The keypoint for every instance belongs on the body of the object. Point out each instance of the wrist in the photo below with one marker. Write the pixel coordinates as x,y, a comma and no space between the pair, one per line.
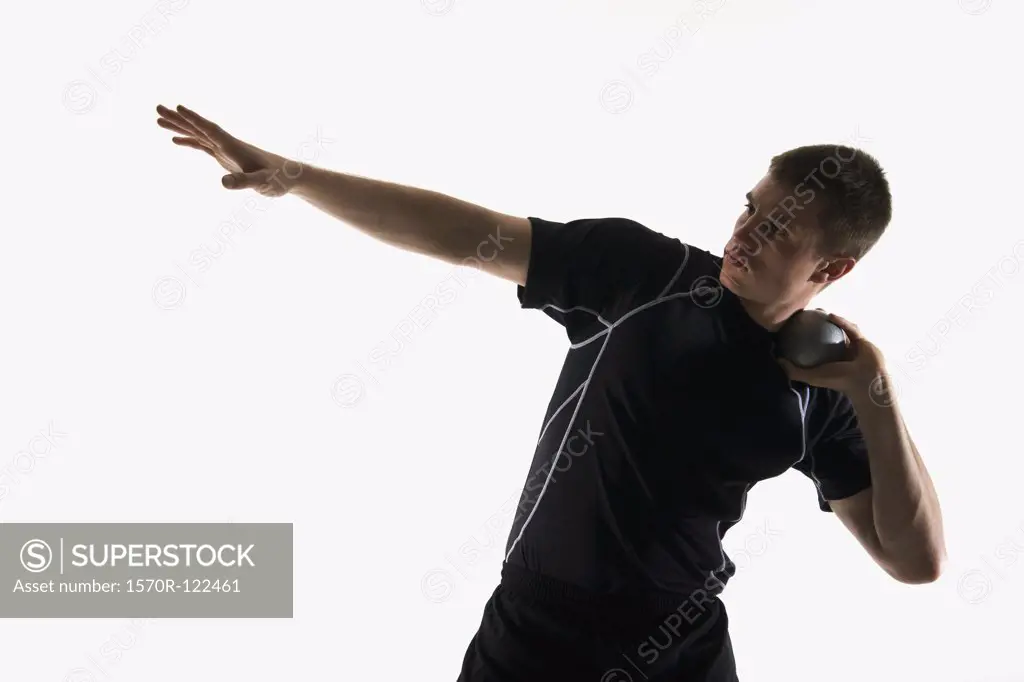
300,177
874,388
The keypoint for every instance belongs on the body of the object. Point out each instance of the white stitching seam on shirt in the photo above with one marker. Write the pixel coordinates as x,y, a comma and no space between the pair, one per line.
593,368
555,414
686,258
577,307
572,420
810,455
803,404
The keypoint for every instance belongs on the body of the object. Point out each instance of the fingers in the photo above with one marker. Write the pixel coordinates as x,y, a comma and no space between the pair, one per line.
190,136
849,327
169,125
192,142
180,123
211,129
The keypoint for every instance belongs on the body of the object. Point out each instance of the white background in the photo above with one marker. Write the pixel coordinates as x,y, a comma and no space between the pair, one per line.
215,395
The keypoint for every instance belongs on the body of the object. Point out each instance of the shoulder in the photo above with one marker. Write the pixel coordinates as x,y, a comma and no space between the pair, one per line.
635,256
608,229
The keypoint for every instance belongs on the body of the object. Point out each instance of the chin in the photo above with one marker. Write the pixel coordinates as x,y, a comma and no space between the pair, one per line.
731,278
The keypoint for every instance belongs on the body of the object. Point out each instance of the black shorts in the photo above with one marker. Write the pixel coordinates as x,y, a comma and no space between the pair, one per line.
536,629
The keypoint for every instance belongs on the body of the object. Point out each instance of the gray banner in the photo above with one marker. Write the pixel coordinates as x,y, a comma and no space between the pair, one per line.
146,570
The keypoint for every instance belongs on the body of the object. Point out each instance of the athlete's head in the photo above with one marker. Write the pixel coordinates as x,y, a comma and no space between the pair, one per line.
816,212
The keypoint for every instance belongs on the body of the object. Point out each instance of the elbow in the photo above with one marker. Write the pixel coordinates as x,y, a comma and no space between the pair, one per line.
924,570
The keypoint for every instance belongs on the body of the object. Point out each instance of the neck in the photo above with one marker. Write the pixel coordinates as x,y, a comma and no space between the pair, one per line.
773,315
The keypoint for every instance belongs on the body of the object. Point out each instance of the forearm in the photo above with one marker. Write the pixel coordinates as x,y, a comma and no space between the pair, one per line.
413,219
906,510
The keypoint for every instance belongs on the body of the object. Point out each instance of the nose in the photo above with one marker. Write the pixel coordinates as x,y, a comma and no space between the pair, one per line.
745,240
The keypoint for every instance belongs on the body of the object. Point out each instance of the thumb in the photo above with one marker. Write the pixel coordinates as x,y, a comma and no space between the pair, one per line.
245,180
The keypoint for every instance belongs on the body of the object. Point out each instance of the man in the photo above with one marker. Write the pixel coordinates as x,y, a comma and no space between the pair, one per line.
670,406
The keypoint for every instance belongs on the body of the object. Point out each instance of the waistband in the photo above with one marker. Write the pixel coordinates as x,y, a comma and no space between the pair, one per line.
648,603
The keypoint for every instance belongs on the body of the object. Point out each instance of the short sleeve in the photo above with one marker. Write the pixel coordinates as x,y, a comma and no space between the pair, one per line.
597,268
837,461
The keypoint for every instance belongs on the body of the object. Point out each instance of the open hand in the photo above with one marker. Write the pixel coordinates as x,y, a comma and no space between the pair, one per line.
249,167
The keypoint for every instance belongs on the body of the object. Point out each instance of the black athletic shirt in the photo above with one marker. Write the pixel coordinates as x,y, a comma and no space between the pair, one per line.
669,408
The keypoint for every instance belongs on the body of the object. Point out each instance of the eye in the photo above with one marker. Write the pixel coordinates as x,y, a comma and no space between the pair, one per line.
750,208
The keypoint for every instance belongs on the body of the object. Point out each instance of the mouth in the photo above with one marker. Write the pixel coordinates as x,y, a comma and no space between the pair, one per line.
735,262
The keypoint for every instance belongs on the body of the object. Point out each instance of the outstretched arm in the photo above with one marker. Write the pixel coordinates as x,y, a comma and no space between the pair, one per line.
409,218
422,221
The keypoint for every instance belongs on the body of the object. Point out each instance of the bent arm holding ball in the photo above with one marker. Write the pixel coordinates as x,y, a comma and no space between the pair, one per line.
897,519
903,504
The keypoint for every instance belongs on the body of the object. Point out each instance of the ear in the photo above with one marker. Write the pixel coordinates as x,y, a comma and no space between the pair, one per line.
833,269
